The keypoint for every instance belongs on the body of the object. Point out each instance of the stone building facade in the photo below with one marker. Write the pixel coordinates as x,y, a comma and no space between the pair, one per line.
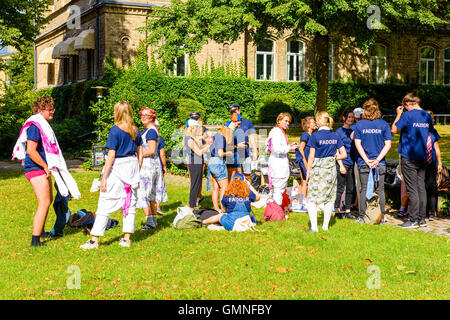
70,50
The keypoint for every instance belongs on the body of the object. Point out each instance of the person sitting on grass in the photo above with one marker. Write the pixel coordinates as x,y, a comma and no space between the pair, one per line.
237,202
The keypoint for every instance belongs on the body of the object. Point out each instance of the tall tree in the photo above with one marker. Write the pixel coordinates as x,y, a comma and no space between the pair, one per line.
20,21
185,26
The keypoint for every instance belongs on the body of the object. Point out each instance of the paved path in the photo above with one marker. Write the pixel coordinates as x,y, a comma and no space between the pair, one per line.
440,226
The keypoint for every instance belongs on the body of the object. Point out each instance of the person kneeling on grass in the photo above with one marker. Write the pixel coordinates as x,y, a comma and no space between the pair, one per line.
120,179
237,202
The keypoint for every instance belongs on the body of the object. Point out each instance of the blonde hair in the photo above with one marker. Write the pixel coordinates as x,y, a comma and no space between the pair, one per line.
371,109
282,115
305,122
124,116
227,133
324,119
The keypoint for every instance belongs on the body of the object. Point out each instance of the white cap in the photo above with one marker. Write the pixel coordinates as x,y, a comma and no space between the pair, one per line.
358,112
156,122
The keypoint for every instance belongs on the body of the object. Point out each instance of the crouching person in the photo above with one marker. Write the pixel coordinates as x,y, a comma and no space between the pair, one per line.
237,202
120,180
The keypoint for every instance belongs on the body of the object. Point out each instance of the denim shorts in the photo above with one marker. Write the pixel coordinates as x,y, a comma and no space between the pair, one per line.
218,168
228,220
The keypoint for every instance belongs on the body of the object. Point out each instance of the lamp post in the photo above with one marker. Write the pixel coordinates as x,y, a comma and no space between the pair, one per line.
99,97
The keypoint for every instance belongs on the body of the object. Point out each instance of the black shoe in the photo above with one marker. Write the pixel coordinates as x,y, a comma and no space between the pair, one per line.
422,223
38,244
200,200
348,215
339,215
409,225
432,217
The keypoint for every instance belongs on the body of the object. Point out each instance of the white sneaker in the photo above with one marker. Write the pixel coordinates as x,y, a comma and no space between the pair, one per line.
215,227
124,243
89,245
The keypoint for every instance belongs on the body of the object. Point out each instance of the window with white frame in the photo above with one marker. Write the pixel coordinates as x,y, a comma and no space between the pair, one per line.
377,63
330,62
295,60
265,60
427,68
180,66
447,66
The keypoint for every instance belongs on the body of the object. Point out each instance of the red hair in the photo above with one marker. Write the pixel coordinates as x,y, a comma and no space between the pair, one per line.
151,115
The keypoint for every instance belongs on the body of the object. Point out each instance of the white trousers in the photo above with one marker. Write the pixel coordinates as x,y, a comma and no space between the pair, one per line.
312,212
278,186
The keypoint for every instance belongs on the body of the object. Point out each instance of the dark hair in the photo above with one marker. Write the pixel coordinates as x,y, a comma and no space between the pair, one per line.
42,103
345,113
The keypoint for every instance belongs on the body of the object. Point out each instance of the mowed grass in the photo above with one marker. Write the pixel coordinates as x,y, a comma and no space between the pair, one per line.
281,261
294,135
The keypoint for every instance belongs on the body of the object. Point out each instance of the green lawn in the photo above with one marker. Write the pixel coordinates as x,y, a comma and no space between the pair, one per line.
294,135
280,262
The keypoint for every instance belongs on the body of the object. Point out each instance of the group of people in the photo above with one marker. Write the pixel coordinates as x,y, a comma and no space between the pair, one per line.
330,162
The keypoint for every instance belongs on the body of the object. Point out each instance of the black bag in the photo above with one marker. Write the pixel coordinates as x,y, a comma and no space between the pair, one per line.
256,180
203,214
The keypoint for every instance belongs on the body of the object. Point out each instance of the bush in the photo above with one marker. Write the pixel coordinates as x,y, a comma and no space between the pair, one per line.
186,106
273,104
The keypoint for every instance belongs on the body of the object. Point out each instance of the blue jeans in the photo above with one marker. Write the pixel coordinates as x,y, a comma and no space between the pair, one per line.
61,206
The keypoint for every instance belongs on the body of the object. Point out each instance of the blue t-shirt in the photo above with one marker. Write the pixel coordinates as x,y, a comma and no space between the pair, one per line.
231,202
161,144
219,142
245,129
152,134
34,134
349,145
414,126
373,134
326,143
122,142
298,156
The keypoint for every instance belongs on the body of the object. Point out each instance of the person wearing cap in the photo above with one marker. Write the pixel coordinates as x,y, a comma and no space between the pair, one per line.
162,196
194,115
217,168
195,147
149,191
233,165
237,201
358,115
246,133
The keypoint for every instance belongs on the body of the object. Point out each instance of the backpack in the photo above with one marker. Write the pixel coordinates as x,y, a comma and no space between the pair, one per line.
373,213
188,222
273,211
443,179
243,224
185,219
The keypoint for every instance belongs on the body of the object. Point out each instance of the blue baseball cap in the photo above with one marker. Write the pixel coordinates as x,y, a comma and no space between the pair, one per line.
194,115
239,176
233,108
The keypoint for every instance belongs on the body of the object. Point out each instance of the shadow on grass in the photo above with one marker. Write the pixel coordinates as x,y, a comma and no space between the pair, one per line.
5,175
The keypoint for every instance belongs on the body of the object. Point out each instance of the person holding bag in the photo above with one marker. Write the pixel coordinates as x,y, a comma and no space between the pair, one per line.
373,138
325,149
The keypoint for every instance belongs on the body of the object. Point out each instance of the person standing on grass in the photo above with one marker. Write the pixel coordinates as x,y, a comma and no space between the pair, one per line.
120,176
277,144
433,167
161,195
345,177
302,154
151,171
195,146
415,126
245,133
38,147
217,168
357,112
233,165
372,140
325,149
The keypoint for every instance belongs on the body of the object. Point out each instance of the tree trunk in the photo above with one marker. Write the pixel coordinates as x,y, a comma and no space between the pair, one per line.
321,72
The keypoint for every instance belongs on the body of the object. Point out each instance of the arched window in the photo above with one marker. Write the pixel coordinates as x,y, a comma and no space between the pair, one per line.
377,63
295,61
447,66
265,57
125,42
427,68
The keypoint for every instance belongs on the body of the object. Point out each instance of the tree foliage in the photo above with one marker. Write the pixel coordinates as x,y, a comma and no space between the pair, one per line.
186,26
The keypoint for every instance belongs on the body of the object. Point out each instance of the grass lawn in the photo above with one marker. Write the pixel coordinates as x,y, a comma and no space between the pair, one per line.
294,135
280,262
